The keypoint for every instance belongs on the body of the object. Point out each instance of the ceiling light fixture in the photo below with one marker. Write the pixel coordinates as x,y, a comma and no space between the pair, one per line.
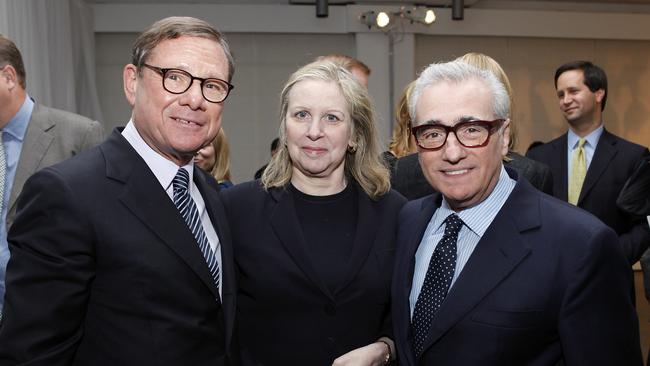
381,19
419,14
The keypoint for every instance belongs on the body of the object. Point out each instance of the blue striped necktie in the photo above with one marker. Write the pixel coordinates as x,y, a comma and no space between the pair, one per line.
436,282
187,208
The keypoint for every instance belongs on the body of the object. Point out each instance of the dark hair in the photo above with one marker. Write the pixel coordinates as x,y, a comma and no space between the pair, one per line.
274,144
10,55
176,27
594,77
534,144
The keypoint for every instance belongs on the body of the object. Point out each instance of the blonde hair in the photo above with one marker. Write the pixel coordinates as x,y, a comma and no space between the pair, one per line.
364,164
221,169
346,62
485,62
401,143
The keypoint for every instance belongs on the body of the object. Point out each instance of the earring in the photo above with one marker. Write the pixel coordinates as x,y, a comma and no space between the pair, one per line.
352,149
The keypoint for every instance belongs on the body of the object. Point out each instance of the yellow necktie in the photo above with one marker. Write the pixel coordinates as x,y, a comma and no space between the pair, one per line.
578,172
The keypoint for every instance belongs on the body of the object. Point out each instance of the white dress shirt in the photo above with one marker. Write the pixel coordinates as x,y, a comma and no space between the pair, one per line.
165,171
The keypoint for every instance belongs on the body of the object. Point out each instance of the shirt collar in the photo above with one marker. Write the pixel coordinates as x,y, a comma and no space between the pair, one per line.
591,139
163,169
17,126
479,217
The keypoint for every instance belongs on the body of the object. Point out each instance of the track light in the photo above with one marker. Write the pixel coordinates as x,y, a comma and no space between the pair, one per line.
385,19
381,19
419,15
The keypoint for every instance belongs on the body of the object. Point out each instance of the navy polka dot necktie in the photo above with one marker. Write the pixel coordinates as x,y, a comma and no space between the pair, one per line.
436,282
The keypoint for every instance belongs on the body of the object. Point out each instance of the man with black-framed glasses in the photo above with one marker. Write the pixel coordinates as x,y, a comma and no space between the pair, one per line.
121,256
490,271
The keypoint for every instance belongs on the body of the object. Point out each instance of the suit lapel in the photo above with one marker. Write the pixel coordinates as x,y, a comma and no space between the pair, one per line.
35,145
286,226
497,254
605,152
143,195
218,219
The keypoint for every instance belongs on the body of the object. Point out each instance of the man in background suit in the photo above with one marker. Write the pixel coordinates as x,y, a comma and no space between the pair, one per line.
32,136
491,271
121,255
602,164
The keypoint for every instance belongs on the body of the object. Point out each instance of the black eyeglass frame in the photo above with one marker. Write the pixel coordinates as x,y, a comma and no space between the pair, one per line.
163,72
491,126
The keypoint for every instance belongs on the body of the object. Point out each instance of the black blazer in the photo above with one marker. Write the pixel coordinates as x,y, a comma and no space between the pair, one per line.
286,315
614,161
407,177
546,283
104,271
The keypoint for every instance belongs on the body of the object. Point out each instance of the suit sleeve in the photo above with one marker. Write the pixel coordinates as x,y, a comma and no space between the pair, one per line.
48,275
598,324
547,180
635,241
94,136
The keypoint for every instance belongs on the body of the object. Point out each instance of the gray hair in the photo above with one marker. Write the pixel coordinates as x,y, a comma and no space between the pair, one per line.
457,72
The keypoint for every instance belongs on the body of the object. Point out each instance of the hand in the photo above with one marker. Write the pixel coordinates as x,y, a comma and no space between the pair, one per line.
371,355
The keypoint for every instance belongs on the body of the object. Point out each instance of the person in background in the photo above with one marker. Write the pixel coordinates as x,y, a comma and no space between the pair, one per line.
490,271
274,149
315,237
32,136
409,180
358,69
590,165
215,159
402,143
121,255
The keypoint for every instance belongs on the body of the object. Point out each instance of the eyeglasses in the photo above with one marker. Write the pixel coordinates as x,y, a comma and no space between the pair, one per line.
469,134
178,81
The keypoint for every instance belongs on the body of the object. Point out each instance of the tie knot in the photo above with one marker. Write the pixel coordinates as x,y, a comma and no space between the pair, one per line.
454,224
581,143
181,180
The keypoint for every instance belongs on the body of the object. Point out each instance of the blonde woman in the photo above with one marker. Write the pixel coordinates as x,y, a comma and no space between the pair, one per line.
215,159
314,239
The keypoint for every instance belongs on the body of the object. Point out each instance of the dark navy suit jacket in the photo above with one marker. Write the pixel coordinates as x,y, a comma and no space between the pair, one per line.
546,284
614,161
105,271
286,313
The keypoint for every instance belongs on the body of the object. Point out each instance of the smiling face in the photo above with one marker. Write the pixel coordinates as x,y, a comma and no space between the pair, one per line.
580,106
176,125
318,130
464,176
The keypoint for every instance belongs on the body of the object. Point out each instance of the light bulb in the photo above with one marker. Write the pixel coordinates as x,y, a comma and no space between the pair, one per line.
383,19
